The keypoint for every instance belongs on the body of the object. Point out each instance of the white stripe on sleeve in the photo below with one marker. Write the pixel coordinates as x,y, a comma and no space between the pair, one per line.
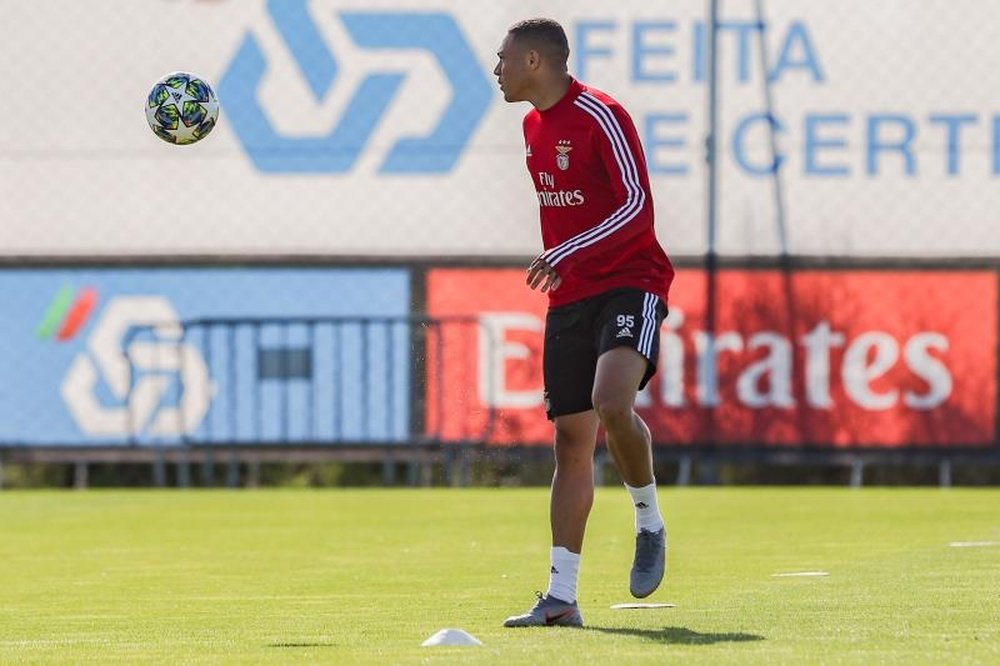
630,177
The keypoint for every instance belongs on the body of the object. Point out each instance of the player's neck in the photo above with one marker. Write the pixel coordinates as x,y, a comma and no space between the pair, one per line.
551,92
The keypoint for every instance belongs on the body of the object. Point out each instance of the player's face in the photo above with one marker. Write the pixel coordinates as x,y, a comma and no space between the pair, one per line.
512,71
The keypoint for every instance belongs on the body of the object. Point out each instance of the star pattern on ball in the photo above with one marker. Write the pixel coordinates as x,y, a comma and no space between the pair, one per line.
188,109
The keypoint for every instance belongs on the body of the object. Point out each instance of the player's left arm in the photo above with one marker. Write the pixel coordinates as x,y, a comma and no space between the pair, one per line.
617,142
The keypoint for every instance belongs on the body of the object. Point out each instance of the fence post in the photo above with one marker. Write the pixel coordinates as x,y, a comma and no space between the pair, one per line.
944,473
208,468
253,473
857,473
388,470
183,470
600,461
684,471
465,468
159,468
80,473
233,470
448,463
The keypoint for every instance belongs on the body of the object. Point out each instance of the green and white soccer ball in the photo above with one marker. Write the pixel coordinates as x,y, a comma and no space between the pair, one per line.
182,108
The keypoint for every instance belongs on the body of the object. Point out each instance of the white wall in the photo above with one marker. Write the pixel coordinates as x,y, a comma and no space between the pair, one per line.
81,173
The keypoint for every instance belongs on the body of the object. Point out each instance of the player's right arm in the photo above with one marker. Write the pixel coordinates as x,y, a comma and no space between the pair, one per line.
541,275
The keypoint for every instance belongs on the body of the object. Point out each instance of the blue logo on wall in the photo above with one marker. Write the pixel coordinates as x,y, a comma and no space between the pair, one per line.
339,150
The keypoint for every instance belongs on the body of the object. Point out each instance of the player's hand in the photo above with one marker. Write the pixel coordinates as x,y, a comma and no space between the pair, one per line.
542,276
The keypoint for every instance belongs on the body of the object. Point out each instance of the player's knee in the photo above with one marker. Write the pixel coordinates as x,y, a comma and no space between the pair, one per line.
570,459
571,449
567,440
614,411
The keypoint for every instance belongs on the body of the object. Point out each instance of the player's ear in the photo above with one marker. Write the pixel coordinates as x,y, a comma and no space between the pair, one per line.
534,59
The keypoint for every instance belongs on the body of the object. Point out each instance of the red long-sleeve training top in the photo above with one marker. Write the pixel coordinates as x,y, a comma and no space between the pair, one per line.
589,170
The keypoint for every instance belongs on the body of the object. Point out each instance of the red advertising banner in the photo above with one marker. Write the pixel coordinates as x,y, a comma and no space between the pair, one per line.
851,358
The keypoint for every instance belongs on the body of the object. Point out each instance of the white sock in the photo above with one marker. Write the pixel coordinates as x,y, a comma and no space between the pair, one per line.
563,574
647,509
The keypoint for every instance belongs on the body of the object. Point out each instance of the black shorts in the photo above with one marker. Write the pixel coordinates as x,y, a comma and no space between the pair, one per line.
578,333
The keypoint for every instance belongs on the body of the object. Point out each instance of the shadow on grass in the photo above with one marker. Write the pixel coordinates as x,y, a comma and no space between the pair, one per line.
677,635
300,645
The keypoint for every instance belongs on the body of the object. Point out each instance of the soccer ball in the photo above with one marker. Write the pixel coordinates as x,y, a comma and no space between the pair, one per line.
182,108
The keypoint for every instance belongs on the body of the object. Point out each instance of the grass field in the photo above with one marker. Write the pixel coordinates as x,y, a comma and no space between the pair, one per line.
345,576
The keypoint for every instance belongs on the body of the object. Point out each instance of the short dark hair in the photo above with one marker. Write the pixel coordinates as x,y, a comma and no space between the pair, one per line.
545,35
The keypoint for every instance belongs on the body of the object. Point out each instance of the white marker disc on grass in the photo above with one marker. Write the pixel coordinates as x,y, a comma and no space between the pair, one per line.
974,544
451,637
635,606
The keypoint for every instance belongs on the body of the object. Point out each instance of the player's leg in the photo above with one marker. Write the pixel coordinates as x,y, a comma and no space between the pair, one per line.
629,345
571,499
570,357
616,384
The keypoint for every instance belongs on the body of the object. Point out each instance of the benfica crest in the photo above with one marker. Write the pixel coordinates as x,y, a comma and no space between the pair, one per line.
562,159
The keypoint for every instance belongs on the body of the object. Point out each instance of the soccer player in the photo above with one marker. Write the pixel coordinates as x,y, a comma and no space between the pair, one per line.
607,279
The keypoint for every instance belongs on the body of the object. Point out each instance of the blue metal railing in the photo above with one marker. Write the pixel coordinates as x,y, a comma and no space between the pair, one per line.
308,381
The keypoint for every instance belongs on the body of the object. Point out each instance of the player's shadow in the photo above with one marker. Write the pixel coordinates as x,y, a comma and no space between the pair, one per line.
678,635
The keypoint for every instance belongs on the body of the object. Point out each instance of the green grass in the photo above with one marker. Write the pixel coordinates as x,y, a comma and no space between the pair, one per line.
345,576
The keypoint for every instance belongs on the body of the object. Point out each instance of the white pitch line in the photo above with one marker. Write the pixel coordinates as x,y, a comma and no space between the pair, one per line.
974,544
800,573
634,606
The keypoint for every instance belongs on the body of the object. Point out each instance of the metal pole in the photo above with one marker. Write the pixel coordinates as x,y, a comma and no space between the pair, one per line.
684,471
944,473
711,156
388,471
159,467
857,473
780,218
772,122
711,144
183,470
600,462
80,475
233,469
208,468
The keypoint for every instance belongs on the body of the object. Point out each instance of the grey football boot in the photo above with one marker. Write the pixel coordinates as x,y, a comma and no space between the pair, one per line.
548,612
649,563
